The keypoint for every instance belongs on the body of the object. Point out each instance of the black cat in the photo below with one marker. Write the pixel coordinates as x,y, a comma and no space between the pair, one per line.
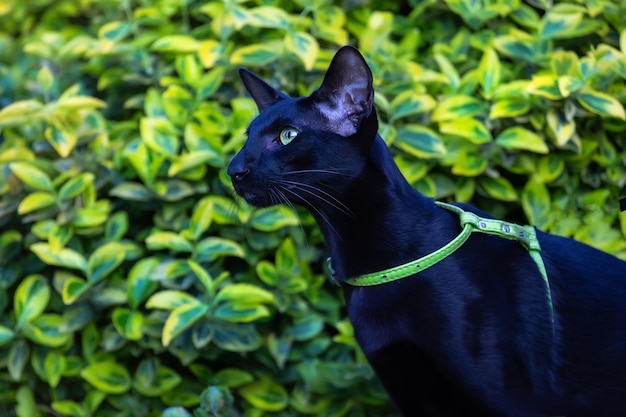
478,332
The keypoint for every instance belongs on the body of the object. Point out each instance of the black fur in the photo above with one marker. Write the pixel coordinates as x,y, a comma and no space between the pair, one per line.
471,336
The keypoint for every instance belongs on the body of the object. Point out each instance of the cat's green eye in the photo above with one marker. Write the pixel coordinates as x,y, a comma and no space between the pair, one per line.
288,134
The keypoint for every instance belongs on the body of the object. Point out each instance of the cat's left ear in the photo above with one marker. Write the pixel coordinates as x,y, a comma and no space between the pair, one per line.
264,95
346,96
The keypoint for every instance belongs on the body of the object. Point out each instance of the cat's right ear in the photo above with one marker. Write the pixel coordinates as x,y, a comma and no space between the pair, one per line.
263,94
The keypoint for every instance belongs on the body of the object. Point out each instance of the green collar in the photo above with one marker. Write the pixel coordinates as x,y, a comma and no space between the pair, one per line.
470,222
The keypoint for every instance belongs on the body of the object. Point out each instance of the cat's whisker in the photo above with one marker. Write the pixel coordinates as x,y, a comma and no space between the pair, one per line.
313,190
285,200
319,171
312,207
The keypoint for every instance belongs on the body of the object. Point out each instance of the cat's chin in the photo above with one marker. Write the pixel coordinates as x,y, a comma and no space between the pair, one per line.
255,199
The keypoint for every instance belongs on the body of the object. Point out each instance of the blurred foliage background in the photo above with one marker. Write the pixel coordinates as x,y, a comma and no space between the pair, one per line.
133,283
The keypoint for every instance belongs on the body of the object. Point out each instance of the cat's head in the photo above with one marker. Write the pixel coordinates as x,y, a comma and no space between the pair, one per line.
306,150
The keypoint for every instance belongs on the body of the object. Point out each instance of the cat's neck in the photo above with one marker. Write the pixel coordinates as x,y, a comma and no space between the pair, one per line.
391,220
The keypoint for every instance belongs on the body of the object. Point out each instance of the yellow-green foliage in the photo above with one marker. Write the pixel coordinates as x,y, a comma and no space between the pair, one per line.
132,280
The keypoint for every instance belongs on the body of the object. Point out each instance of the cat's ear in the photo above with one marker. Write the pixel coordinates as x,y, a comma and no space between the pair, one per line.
346,96
263,94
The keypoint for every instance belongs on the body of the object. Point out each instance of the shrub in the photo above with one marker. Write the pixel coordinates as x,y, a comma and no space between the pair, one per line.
132,280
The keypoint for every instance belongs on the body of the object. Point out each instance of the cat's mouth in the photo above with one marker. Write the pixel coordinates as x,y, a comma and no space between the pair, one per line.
251,197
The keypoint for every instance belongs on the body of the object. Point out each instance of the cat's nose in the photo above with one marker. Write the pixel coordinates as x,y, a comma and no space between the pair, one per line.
238,169
238,175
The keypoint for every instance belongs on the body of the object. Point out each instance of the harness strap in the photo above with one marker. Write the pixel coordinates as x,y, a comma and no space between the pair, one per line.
470,222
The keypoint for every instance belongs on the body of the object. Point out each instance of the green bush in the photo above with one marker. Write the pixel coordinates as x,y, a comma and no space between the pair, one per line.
131,278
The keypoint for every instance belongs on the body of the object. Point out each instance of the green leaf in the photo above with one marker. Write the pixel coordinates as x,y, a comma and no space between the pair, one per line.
209,52
499,188
420,141
268,17
171,269
182,318
280,348
6,335
266,395
562,129
201,218
116,226
267,273
209,83
189,69
104,260
62,140
58,236
177,44
115,31
470,164
247,294
454,107
32,176
73,288
140,286
409,103
201,334
526,16
65,257
569,85
154,383
36,201
31,299
601,103
26,403
173,190
306,327
91,216
45,330
256,54
550,168
54,366
204,277
489,71
212,248
75,103
304,46
564,63
171,299
168,240
160,135
232,377
536,202
287,257
45,79
271,219
76,185
556,25
511,107
128,323
448,70
546,86
467,128
523,139
132,191
108,377
516,46
69,408
20,112
240,313
236,337
10,246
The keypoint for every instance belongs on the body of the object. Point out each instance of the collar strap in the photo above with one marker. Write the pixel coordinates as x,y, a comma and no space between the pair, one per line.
470,222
